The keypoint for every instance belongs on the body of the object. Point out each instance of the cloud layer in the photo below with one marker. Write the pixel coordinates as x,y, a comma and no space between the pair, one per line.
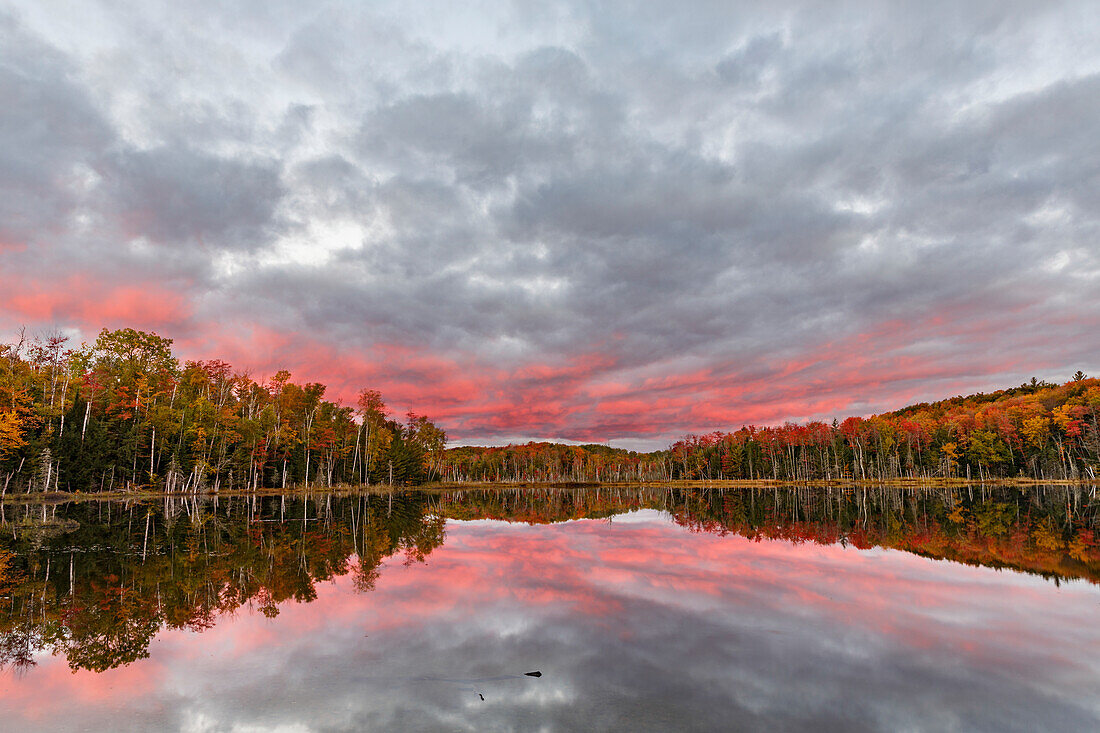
575,222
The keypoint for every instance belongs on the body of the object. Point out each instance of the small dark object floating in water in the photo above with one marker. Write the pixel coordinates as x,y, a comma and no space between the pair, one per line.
481,696
532,674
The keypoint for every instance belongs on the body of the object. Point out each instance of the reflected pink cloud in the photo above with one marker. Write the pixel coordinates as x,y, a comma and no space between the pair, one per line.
40,689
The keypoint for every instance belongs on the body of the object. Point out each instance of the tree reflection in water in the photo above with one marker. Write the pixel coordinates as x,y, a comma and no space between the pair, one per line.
96,581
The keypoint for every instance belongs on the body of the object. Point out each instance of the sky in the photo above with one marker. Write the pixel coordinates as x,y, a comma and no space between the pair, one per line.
618,221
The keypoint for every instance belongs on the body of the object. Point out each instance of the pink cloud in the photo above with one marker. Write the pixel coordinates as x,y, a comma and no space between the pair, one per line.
89,304
582,396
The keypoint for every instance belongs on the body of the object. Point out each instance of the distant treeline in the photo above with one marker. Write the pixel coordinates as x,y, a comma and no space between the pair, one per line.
123,413
555,463
1037,430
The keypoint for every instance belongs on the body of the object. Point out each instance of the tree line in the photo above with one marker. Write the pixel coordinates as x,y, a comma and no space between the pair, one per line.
123,413
1038,430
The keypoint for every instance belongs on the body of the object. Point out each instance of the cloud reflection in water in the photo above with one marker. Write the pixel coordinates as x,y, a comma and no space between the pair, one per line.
636,625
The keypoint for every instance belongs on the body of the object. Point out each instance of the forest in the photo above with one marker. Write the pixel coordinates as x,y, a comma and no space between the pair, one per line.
123,414
1038,430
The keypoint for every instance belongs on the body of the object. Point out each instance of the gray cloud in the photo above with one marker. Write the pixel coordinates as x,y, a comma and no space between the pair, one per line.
51,136
173,194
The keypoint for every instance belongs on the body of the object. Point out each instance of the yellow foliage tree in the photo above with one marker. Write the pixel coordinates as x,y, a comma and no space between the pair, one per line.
1035,431
950,455
11,434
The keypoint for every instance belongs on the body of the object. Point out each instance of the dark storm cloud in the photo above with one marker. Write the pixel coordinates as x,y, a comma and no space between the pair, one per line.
723,188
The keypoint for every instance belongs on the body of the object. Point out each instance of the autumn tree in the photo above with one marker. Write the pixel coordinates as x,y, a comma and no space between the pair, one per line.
430,439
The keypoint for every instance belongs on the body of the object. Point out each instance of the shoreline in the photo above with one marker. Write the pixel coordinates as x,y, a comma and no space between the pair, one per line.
61,497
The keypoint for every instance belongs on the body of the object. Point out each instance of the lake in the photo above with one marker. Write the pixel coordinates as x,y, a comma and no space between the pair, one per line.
972,608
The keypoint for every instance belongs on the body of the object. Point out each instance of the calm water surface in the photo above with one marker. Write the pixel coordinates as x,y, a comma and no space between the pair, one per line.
973,609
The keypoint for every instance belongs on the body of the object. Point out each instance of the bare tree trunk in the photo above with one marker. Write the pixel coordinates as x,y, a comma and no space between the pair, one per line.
152,456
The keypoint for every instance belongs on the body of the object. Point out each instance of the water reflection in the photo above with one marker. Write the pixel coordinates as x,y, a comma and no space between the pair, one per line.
350,612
